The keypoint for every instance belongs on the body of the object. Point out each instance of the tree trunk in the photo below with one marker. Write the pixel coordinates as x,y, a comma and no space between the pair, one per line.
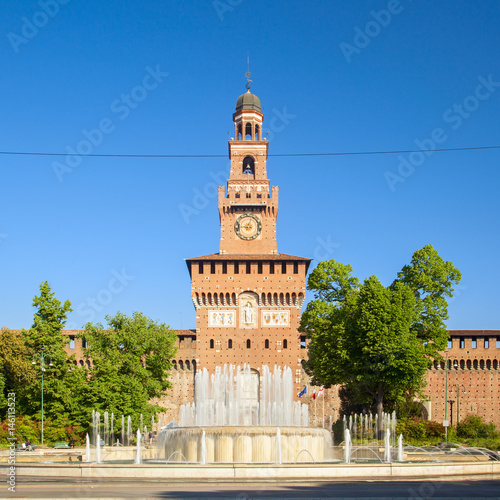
380,411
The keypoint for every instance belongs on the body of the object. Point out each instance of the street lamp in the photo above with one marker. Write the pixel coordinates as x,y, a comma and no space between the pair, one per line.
445,423
42,369
458,387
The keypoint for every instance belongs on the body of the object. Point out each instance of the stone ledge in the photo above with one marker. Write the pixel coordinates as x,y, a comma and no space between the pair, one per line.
241,471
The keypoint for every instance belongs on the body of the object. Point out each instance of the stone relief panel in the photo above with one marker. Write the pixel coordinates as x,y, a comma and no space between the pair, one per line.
275,318
222,318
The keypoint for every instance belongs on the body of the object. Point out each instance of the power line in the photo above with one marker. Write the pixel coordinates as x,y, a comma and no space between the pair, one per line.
345,153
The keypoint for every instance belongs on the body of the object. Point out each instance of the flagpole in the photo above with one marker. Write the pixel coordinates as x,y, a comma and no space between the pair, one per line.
315,417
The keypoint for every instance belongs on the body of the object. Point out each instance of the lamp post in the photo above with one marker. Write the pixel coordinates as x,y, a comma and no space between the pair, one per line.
445,423
459,387
42,355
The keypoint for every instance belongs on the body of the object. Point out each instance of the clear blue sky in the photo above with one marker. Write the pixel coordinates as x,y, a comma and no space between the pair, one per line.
426,71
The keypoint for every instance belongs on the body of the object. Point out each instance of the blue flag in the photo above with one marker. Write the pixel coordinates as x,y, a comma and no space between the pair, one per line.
303,391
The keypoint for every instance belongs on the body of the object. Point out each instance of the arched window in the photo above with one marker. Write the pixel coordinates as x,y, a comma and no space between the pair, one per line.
266,344
181,365
188,365
495,364
462,364
248,165
285,344
257,133
475,364
211,343
488,364
230,344
469,364
248,132
249,344
481,364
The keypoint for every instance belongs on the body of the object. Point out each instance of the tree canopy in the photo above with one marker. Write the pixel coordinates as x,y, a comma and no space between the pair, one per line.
378,341
46,342
130,363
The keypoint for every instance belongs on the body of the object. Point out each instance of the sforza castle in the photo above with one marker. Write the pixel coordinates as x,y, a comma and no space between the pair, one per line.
248,298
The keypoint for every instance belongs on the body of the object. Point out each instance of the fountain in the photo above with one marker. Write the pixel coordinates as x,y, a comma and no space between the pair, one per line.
387,446
239,417
361,443
87,448
400,448
347,447
138,457
98,450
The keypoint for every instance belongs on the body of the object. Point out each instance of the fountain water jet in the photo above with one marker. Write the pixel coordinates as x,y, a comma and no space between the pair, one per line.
98,450
87,448
239,416
387,448
138,457
347,447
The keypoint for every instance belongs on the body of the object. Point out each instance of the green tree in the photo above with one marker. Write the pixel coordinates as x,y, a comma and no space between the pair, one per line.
16,370
374,340
431,280
130,360
62,383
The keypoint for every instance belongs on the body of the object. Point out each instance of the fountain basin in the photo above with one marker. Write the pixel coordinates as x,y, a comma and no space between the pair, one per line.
246,444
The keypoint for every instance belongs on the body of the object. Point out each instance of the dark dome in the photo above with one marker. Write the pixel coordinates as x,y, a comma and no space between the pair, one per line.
248,101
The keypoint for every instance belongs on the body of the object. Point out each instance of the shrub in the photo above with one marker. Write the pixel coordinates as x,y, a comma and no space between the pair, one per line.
412,429
433,429
473,427
59,430
418,429
24,428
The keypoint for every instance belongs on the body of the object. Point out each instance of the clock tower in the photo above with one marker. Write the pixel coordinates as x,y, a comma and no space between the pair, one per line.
248,212
248,297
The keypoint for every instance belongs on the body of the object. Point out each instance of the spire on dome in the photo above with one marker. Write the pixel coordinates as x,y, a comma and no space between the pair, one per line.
248,100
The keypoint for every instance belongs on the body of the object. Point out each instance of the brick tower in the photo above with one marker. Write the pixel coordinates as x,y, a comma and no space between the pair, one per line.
248,297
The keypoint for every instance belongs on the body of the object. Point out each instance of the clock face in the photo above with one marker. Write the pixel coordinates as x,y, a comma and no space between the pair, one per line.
248,226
